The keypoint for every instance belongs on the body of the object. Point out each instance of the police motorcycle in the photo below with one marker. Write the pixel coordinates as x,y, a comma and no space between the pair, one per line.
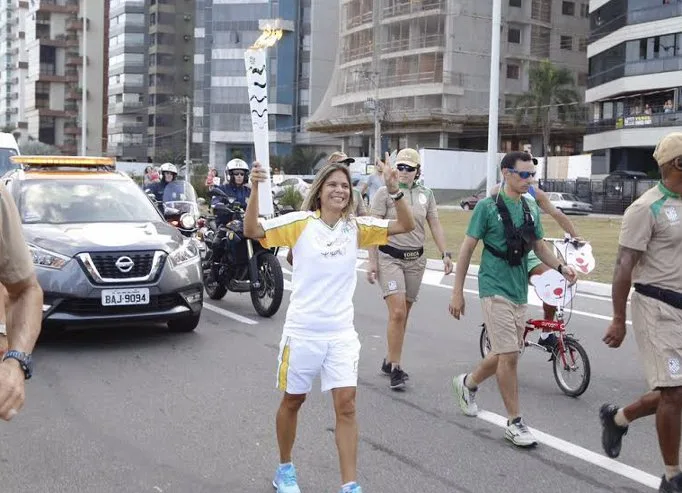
179,206
238,264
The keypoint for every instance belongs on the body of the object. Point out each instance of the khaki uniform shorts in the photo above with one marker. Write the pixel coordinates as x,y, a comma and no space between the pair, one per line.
505,324
658,330
401,276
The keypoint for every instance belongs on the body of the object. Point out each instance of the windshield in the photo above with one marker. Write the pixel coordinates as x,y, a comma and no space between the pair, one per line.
180,195
5,164
570,197
84,201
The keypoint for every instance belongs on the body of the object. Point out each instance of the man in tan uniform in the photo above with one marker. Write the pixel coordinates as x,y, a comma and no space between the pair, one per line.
649,257
400,264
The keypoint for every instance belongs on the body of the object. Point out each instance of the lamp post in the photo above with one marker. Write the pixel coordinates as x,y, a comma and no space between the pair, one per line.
494,95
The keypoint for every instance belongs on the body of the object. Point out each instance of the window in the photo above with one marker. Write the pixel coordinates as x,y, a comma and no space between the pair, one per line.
582,44
513,71
568,8
566,43
514,35
584,10
515,3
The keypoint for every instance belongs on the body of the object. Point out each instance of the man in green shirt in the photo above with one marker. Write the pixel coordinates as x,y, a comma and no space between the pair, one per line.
503,288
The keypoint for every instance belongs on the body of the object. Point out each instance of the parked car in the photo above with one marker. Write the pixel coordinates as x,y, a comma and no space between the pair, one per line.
103,253
468,203
569,203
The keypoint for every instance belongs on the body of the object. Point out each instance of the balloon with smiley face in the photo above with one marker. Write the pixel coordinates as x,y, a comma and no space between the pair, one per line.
552,288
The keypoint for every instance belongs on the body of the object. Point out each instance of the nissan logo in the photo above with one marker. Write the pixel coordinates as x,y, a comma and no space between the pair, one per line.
124,264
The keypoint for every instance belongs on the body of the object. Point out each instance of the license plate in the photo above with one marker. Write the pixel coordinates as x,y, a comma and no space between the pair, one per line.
119,297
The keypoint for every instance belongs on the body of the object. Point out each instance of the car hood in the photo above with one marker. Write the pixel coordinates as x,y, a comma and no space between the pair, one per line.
70,239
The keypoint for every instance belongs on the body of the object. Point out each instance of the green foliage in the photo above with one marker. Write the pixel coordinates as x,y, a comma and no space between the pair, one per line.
36,148
292,198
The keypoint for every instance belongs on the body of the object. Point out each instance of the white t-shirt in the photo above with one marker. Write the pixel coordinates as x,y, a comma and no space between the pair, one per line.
324,277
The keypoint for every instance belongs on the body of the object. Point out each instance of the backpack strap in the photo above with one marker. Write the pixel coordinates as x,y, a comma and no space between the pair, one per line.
509,228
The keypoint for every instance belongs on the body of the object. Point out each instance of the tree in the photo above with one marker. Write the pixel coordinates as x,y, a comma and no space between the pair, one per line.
550,87
36,148
305,159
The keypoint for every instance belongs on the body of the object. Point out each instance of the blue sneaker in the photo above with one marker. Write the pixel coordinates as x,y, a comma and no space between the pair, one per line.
352,488
285,479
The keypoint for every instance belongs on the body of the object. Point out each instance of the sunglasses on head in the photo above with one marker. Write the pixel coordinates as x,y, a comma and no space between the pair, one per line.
524,174
405,167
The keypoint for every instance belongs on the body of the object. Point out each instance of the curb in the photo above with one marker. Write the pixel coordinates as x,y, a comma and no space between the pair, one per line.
586,287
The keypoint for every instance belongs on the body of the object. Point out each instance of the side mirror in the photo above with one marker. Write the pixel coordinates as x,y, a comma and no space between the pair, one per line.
201,201
230,200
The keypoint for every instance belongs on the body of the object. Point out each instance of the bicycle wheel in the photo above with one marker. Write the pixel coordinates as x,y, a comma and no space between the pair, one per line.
570,364
484,342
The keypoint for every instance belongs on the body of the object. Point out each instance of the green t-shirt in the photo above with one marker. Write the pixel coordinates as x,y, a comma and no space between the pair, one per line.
496,276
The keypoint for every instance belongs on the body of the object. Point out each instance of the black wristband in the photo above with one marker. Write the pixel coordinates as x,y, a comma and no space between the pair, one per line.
560,269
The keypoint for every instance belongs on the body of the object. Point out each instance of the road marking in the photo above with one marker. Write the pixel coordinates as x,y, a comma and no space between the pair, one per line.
580,453
229,314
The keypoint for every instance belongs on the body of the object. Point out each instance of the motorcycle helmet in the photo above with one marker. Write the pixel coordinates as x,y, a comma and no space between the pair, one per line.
236,165
170,168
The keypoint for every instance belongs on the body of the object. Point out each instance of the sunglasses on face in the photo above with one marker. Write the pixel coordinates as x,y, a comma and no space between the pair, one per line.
405,167
524,174
238,173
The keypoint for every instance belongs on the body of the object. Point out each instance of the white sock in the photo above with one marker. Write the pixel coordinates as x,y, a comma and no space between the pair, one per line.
347,485
671,471
620,418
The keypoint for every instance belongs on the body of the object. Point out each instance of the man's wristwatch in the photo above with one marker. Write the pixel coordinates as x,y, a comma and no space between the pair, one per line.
446,254
396,196
25,361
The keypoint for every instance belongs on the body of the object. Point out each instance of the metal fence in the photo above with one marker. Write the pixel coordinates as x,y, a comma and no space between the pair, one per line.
609,196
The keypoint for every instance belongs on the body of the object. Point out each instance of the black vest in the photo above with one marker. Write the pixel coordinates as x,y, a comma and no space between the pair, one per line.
519,240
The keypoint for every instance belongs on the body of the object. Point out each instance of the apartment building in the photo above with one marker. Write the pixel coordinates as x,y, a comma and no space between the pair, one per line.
13,67
49,79
427,63
151,51
635,80
299,69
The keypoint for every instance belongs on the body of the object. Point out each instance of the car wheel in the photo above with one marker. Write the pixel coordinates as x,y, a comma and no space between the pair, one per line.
185,324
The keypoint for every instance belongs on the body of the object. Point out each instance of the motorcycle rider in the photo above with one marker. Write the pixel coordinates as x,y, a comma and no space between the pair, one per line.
169,172
236,177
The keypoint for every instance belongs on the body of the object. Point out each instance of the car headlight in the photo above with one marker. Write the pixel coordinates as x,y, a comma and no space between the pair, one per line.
188,252
187,221
46,258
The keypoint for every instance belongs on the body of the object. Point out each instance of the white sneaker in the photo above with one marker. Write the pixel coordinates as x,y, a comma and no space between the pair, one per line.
518,434
465,397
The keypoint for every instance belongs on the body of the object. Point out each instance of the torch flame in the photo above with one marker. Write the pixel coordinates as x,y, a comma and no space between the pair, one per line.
269,37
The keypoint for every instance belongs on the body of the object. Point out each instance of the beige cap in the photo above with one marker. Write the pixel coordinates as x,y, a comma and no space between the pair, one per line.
669,148
408,156
340,157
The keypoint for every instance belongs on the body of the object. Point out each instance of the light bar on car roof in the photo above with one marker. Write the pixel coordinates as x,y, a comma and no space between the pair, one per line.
64,161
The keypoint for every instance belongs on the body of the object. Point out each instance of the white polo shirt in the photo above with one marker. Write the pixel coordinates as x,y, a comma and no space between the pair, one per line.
324,277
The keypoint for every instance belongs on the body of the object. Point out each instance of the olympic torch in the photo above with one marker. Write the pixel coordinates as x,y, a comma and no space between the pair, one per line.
257,82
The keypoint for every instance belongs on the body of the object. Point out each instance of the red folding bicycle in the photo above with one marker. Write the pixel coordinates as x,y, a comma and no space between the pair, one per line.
569,358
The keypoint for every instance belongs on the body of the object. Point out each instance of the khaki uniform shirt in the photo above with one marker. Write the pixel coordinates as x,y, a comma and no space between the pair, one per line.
16,263
423,205
653,224
360,208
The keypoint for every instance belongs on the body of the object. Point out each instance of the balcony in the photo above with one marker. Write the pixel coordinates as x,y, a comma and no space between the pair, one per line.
357,53
414,43
72,129
359,20
629,69
58,6
659,12
74,25
410,7
671,119
74,60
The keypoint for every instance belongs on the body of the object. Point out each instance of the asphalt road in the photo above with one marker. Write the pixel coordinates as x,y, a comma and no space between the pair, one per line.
140,410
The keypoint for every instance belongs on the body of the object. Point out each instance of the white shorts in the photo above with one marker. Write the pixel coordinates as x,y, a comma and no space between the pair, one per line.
302,360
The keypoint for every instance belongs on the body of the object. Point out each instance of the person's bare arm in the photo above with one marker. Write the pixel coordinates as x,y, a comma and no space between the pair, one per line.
562,219
252,228
463,260
25,314
626,261
404,222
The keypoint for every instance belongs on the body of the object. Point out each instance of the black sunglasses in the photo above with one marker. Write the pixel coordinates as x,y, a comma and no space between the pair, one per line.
237,173
405,167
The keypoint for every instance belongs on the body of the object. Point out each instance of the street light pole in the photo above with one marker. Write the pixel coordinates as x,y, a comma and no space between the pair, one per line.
494,95
187,135
84,95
